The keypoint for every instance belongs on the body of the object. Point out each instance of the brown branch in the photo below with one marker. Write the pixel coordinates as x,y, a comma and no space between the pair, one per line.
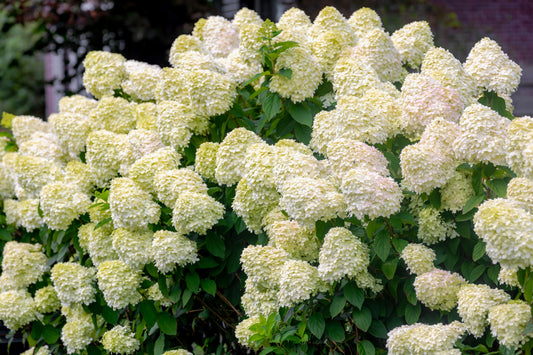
226,301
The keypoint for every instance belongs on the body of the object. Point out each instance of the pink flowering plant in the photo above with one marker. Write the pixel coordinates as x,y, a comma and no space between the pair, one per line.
299,187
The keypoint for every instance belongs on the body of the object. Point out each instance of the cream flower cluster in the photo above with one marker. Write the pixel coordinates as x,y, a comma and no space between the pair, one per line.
120,340
418,258
420,339
508,322
438,289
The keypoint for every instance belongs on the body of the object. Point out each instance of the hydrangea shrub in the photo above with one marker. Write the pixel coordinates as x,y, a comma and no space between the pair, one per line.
305,187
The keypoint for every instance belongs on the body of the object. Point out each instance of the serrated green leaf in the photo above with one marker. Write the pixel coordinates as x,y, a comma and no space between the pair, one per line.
399,244
499,186
102,223
317,324
159,345
254,78
377,329
110,316
354,295
363,318
478,251
209,286
472,203
186,296
389,268
335,331
382,244
365,347
337,305
148,312
286,72
193,281
215,245
167,323
412,313
477,175
477,272
302,133
301,113
50,334
435,199
272,105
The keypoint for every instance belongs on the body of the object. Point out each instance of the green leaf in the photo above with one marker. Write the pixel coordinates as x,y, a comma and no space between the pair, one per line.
363,318
215,245
476,179
354,295
528,288
167,323
399,244
317,324
7,118
193,282
377,329
435,199
389,268
337,305
477,272
272,105
286,72
479,250
472,203
365,347
301,113
382,244
302,133
148,312
412,313
254,78
499,186
335,331
209,286
186,296
159,345
50,334
110,316
529,327
409,290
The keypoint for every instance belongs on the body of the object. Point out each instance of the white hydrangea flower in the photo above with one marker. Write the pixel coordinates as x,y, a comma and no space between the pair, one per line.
196,212
442,66
345,154
418,258
412,42
80,175
422,339
262,265
289,163
61,204
307,200
74,283
119,283
301,273
342,254
72,130
364,20
79,330
133,247
142,80
43,350
509,244
257,299
305,79
519,146
120,340
329,18
243,332
220,36
146,116
492,69
437,289
474,303
246,16
17,308
367,193
104,72
423,99
376,49
77,104
205,160
520,190
131,207
482,136
32,174
456,192
144,141
97,242
145,169
171,249
154,293
23,213
177,352
508,276
23,127
299,242
42,145
24,263
46,300
432,228
170,184
183,44
230,164
508,322
327,47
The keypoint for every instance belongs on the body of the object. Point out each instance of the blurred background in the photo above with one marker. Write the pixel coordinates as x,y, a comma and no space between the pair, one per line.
43,42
